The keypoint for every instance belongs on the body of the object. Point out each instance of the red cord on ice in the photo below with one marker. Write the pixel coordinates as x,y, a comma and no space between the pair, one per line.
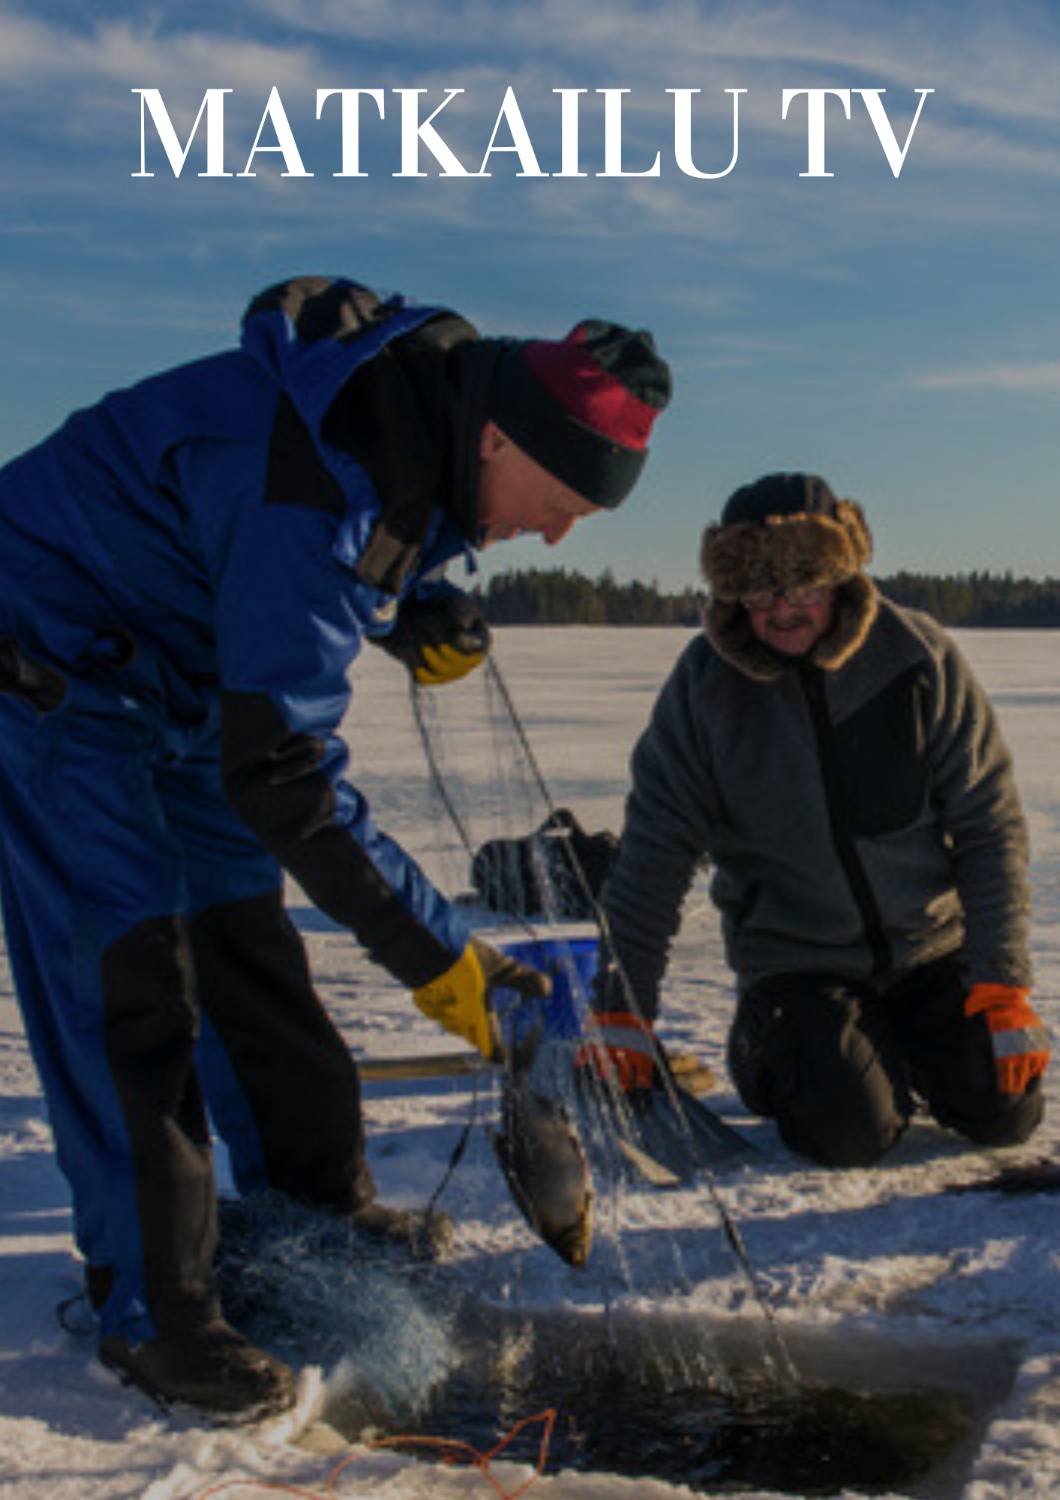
449,1450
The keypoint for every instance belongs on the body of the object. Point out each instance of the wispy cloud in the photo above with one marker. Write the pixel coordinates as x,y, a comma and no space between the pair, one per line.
1000,62
993,72
64,84
1041,377
990,125
789,307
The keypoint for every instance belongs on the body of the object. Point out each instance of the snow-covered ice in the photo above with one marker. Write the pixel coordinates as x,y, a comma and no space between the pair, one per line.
885,1254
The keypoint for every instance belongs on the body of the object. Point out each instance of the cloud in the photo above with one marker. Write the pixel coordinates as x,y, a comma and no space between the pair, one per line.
1041,377
1001,63
984,144
988,71
91,74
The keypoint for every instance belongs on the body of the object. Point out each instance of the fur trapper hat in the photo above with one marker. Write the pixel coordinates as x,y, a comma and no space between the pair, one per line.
787,531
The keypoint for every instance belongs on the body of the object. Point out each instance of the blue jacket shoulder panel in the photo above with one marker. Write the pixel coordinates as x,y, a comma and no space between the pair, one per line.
203,511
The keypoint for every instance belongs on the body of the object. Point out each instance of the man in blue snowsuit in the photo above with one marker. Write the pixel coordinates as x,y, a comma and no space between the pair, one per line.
187,572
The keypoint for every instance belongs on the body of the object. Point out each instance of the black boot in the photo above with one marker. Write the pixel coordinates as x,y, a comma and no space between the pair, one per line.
211,1367
427,1234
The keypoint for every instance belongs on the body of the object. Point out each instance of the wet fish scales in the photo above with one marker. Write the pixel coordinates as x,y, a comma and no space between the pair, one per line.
546,1169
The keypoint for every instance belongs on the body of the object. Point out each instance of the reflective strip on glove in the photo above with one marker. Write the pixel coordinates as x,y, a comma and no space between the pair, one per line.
622,1048
1018,1034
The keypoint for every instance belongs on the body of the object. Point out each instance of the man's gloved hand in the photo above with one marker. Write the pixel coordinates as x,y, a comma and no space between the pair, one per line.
622,1048
440,637
1021,1042
459,998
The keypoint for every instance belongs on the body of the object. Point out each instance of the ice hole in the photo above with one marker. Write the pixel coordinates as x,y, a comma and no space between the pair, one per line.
684,1398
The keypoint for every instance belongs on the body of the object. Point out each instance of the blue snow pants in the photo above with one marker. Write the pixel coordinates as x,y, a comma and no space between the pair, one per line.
162,983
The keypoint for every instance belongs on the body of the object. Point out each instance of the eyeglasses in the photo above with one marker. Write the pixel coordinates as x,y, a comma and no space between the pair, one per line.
757,603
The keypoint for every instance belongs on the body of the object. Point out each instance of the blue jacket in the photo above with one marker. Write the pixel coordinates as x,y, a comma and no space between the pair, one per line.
195,541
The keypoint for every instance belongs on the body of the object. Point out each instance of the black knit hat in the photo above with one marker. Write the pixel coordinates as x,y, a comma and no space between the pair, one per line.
583,406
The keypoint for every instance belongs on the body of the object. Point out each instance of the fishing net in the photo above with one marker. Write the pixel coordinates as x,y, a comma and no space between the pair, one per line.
311,1288
491,787
627,1358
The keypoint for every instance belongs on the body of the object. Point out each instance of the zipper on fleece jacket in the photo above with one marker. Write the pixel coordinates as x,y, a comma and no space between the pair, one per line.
812,682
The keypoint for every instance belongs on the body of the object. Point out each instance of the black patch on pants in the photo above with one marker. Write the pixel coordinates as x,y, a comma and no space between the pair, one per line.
296,1072
815,1054
150,1031
838,1063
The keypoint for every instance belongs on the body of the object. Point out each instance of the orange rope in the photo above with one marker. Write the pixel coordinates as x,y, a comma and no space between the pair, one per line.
258,1484
451,1451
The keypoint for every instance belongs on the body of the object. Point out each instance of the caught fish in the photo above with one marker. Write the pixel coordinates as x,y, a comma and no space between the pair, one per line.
546,1168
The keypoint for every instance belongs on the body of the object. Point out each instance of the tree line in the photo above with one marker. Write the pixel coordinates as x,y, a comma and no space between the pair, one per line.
560,596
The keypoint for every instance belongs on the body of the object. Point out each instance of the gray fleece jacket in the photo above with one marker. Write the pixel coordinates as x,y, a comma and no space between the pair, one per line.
860,821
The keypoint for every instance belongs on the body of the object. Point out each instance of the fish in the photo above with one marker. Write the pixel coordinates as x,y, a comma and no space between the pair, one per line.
548,1174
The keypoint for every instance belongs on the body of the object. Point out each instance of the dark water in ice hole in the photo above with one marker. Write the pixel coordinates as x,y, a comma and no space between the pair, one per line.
648,1392
673,1398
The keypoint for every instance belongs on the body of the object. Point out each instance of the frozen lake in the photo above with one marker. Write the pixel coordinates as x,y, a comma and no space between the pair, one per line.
885,1255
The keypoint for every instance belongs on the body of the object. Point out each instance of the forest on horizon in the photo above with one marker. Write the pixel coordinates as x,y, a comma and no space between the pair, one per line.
561,596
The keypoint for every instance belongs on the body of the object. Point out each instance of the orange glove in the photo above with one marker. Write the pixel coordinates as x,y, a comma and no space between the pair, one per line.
1021,1042
622,1048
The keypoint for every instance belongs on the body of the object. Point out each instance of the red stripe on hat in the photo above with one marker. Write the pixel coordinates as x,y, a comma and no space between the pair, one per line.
590,394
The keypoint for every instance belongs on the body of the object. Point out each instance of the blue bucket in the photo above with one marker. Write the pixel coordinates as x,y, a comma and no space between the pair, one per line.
570,963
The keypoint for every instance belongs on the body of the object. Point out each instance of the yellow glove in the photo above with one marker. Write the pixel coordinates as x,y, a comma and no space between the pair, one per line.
440,638
1019,1037
441,664
459,999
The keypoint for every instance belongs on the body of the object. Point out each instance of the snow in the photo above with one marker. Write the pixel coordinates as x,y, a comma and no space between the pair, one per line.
887,1255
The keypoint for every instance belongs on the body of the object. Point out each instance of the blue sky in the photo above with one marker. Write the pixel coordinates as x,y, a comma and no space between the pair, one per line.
899,336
